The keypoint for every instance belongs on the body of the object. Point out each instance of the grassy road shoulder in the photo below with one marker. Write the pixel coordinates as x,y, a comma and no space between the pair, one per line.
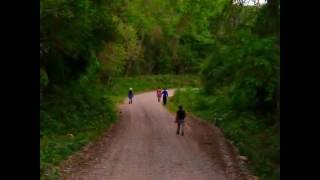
252,136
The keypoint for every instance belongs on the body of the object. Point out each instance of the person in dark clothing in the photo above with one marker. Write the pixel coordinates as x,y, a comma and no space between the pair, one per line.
181,114
130,95
164,96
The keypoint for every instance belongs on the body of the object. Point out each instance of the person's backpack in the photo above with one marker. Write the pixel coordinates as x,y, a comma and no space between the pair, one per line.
181,114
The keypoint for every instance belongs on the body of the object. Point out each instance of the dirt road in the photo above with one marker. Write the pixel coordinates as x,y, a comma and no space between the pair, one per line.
143,146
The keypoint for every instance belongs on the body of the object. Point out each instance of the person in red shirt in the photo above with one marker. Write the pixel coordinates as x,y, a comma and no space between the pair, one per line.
159,94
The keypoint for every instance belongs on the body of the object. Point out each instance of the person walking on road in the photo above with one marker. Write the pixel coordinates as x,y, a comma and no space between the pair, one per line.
159,94
130,95
165,96
181,114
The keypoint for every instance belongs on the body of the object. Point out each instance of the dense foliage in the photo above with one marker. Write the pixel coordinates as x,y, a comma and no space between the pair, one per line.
143,37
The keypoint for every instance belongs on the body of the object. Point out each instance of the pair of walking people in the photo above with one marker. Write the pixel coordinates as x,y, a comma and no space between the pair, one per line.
164,95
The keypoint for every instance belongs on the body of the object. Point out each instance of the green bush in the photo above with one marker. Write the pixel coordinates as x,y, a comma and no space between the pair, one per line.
44,81
252,71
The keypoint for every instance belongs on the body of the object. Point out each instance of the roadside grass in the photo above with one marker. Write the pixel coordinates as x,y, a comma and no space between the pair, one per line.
250,134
